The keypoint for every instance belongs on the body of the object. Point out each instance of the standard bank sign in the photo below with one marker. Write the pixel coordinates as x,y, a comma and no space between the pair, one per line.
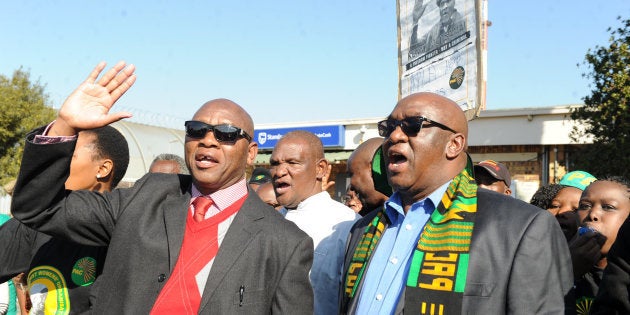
331,136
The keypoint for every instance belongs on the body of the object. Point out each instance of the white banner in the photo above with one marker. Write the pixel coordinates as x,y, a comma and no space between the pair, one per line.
441,50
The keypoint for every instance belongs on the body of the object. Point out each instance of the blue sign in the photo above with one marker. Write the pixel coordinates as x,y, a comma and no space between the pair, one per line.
331,136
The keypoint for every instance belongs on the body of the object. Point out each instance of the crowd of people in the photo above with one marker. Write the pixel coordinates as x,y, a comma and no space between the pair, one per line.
421,230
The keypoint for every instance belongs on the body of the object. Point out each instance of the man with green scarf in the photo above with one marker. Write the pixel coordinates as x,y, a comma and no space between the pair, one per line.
440,245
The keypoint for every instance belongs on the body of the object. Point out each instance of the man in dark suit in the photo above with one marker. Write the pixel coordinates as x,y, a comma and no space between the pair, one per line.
228,253
440,245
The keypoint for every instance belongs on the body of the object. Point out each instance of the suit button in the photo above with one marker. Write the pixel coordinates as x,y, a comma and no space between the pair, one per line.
161,277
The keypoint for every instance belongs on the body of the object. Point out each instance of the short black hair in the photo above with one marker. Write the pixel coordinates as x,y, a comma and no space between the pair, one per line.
111,144
544,195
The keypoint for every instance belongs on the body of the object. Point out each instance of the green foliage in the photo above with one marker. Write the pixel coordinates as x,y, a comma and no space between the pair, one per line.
605,116
23,107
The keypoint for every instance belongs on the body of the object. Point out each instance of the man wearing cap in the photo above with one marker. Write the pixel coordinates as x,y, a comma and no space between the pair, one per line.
494,176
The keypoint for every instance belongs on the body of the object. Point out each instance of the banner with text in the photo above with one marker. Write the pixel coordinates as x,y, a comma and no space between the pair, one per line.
442,49
331,136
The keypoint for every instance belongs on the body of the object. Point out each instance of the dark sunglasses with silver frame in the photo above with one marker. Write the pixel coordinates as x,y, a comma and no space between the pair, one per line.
223,132
410,125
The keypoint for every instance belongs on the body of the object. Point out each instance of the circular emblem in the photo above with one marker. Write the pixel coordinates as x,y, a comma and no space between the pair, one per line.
84,271
457,77
48,291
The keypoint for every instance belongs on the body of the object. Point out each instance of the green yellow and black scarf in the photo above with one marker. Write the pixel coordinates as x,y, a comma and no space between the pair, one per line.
439,264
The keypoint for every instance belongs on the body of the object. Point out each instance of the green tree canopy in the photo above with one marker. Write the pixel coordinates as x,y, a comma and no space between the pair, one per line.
23,106
606,116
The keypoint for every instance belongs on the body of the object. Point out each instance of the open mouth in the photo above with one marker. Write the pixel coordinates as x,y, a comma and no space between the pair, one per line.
281,187
395,158
204,161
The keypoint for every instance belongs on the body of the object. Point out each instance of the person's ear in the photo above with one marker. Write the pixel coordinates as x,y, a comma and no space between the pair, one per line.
252,151
105,169
455,146
322,169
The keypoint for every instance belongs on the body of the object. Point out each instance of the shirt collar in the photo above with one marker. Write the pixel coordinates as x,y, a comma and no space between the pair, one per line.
316,198
225,197
393,206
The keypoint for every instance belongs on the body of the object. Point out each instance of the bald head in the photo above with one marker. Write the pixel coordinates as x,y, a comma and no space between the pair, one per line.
311,143
438,108
239,117
365,151
359,168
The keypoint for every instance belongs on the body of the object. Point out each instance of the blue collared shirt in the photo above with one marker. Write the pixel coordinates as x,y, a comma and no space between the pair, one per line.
386,274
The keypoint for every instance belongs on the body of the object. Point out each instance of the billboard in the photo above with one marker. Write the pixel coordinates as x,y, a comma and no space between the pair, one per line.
442,49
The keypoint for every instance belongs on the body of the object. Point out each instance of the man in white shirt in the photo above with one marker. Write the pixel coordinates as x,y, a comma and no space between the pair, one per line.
297,168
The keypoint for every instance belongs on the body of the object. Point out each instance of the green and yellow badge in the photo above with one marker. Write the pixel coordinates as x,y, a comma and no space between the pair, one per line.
84,271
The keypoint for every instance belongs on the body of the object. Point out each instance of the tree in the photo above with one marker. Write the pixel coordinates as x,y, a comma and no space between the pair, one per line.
23,106
606,115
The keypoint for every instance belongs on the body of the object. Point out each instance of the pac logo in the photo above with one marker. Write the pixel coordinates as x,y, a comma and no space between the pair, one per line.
84,271
262,137
457,77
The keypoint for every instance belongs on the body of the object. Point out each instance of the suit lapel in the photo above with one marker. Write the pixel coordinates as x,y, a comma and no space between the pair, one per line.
239,235
175,213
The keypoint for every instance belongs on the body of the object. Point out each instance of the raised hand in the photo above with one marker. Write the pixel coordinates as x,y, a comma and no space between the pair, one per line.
89,105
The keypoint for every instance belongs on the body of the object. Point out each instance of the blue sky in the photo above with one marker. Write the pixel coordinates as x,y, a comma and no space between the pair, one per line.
289,61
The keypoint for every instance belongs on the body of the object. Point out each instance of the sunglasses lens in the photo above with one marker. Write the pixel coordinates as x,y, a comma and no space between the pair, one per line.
223,133
196,129
385,128
411,126
226,133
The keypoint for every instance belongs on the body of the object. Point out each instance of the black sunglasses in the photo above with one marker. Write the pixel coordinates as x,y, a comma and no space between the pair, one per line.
223,132
411,126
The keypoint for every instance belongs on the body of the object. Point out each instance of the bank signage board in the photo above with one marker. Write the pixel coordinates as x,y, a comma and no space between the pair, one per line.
331,136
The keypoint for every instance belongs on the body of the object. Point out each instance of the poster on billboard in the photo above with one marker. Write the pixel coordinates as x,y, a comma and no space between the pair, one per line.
442,49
